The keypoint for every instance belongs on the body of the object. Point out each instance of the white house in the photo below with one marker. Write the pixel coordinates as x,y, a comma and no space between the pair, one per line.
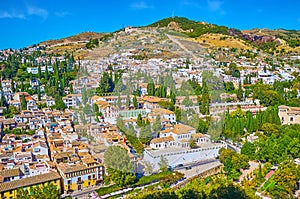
174,144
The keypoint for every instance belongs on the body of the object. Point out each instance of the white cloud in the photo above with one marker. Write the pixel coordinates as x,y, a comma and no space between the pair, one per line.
11,15
37,11
216,6
61,13
140,5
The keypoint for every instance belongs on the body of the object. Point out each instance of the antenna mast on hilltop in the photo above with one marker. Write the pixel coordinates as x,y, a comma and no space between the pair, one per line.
173,14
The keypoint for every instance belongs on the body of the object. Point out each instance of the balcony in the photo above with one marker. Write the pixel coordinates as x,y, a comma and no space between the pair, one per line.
79,182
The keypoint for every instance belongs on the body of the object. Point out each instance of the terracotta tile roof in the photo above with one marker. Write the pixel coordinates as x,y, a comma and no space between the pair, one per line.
153,99
24,182
10,172
65,168
160,111
162,139
182,129
198,135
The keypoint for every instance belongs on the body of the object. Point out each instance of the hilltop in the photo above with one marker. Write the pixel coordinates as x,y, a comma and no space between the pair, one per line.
271,41
163,36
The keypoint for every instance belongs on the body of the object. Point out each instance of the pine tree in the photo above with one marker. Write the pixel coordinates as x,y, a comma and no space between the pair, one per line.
204,106
23,103
39,92
47,73
239,92
150,88
39,75
135,102
128,101
119,102
139,120
157,124
13,89
84,95
71,88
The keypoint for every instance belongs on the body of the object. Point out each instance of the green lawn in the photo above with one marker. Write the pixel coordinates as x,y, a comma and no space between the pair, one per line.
151,178
143,180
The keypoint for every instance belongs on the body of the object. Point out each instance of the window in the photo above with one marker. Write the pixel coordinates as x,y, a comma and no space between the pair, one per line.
291,119
69,181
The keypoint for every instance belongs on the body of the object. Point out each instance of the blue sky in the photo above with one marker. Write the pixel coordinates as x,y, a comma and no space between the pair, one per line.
26,22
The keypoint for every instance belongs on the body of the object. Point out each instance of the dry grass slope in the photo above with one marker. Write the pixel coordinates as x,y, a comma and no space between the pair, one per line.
219,40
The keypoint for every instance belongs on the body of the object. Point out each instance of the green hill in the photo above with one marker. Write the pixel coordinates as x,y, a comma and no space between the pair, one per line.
191,28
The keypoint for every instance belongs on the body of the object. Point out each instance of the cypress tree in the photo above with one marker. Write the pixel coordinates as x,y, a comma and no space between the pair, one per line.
23,103
39,93
135,103
46,74
39,72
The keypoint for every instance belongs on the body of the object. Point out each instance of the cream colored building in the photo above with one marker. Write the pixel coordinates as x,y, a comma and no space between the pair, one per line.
289,115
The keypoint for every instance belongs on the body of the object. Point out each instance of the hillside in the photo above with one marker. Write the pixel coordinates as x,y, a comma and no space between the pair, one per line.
225,41
83,37
167,37
271,41
190,27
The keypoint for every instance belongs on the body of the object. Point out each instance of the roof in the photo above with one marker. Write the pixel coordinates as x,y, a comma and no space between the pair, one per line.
198,135
162,139
10,172
153,99
25,182
182,129
161,111
66,168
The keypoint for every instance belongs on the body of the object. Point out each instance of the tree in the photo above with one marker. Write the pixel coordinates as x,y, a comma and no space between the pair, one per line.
117,158
148,168
3,101
128,101
13,110
163,164
192,143
39,75
145,134
157,124
286,178
120,124
39,92
239,92
139,120
204,101
71,88
119,165
49,191
119,102
186,101
46,73
106,84
23,103
130,131
59,104
13,87
248,149
151,88
84,95
135,102
229,86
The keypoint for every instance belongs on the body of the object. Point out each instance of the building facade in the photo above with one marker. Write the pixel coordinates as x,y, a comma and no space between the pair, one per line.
289,115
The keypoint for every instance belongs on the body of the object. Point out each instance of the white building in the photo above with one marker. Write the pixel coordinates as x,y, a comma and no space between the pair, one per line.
174,144
164,113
